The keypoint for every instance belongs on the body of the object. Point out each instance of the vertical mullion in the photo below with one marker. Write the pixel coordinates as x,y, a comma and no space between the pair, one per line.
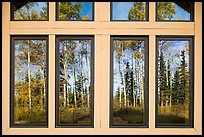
152,11
198,68
105,80
51,103
152,95
97,83
104,11
96,11
52,11
6,65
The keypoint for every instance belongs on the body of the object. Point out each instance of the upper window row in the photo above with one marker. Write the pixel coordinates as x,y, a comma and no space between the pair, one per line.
120,11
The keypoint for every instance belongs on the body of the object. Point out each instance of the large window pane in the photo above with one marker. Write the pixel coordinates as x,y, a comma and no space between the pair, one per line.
129,11
75,11
74,74
175,11
29,11
29,87
174,81
129,82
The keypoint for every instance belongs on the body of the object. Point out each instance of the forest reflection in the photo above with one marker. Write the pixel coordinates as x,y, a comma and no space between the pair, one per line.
128,82
173,82
75,81
30,82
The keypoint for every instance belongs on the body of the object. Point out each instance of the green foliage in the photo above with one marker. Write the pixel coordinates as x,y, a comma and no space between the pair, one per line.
30,14
137,12
69,11
165,10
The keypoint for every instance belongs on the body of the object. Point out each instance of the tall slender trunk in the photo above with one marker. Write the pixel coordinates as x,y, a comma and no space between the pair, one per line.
74,90
67,95
133,74
82,85
136,83
65,104
159,81
124,85
87,75
65,63
120,97
170,89
124,90
29,81
44,92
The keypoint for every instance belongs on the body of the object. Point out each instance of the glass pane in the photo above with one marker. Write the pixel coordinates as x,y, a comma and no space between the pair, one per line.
30,10
128,82
75,83
129,11
174,11
30,92
75,11
173,82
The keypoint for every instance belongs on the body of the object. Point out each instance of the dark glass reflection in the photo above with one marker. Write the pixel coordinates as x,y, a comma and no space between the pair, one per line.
129,11
75,10
173,82
128,82
74,82
30,82
174,11
30,10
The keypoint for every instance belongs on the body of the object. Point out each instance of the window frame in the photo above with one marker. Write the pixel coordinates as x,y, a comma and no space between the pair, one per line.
12,78
12,14
57,13
191,80
191,15
101,28
146,11
146,83
58,38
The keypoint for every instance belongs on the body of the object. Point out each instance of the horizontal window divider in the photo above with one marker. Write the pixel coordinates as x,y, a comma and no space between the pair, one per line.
103,25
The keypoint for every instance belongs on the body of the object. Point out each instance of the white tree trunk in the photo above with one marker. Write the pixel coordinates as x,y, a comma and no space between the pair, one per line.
29,82
65,104
74,91
65,61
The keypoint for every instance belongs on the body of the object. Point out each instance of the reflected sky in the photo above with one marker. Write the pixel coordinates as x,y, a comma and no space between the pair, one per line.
174,52
181,14
126,57
21,73
37,7
120,10
87,9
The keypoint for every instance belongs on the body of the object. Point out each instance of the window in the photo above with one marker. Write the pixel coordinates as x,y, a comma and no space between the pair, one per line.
81,90
81,11
129,85
74,81
29,84
175,11
129,11
23,11
174,82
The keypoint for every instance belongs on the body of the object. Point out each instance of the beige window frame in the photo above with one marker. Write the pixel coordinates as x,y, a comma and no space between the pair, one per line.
102,29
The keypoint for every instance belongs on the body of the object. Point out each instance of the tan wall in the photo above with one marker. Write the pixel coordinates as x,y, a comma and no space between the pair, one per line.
101,28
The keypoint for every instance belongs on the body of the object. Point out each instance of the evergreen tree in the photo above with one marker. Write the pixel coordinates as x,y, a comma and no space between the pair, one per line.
176,89
184,78
162,79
